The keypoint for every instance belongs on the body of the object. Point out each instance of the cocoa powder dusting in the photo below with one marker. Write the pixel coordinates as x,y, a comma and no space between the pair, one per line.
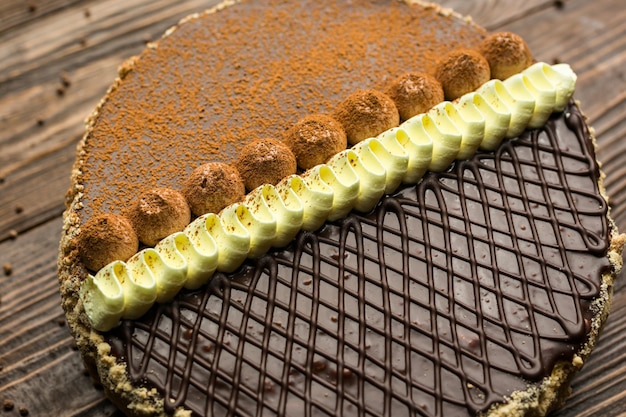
506,53
213,186
265,161
415,93
104,239
247,72
157,213
365,114
461,72
315,139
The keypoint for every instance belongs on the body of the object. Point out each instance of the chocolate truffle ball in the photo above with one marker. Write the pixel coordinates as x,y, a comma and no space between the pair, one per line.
157,213
106,238
213,186
415,93
315,139
462,71
365,114
507,54
265,161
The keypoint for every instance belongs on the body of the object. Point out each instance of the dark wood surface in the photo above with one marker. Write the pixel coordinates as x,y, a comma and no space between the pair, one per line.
57,58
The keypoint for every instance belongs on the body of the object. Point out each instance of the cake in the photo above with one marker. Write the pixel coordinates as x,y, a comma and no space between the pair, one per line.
478,287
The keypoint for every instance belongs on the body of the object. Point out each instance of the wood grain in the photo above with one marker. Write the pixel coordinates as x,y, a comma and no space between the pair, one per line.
63,61
57,58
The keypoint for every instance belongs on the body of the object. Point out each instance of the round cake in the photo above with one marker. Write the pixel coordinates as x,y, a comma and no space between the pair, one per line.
478,287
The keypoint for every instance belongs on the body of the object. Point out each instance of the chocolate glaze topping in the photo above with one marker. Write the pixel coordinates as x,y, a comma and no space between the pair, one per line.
449,296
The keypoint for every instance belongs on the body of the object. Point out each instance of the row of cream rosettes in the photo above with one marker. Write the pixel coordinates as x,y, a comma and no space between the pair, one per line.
357,178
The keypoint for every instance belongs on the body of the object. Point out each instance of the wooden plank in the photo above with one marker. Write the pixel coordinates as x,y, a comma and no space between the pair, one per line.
37,352
34,194
57,42
599,388
14,13
496,14
39,62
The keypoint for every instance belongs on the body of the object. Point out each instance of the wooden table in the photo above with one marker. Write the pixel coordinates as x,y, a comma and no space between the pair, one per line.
57,58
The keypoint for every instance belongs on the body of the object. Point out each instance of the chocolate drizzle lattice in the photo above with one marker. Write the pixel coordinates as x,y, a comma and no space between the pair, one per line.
451,295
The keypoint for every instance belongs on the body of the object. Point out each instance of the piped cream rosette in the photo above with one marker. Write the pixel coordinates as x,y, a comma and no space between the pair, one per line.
354,179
